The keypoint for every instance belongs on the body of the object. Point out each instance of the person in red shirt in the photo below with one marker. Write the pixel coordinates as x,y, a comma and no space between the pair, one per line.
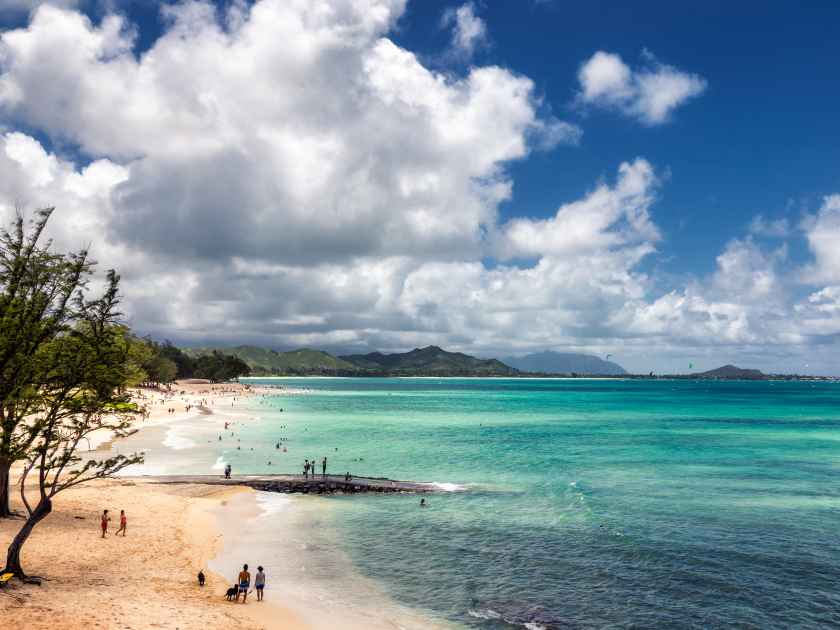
123,523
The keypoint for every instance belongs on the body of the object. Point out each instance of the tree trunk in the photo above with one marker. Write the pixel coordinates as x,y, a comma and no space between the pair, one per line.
41,511
5,480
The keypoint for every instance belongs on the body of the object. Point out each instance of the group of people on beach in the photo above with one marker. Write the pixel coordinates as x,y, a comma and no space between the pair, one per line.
105,519
243,583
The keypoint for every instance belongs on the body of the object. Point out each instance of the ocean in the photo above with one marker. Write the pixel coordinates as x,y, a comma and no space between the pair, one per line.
571,503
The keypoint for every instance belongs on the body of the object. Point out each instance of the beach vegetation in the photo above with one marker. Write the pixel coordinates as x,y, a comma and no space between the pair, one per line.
218,367
39,301
83,374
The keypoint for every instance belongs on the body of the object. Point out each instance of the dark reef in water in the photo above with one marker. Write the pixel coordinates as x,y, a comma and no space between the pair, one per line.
314,484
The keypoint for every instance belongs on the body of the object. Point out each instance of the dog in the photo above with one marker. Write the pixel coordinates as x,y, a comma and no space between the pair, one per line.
232,592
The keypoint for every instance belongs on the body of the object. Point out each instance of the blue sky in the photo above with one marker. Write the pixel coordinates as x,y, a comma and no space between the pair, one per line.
762,139
488,176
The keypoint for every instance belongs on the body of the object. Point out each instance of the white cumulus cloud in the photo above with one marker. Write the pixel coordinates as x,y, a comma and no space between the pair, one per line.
469,31
286,174
823,233
650,93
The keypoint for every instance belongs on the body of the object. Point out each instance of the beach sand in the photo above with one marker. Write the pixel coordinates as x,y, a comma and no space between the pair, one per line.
144,580
148,578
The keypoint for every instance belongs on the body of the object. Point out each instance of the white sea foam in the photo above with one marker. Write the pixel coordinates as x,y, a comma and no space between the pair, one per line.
220,463
534,626
176,441
272,503
486,613
448,487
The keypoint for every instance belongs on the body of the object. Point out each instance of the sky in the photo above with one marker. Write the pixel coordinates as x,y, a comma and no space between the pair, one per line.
658,182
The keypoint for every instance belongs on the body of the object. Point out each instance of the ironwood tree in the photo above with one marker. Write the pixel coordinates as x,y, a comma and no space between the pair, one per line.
37,291
82,389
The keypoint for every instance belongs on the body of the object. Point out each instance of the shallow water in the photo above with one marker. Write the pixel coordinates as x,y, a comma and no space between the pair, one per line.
590,503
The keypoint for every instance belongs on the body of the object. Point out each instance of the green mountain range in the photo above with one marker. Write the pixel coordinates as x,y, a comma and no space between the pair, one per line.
429,361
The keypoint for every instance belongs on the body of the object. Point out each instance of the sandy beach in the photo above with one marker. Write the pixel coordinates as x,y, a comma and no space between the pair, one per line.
149,578
146,579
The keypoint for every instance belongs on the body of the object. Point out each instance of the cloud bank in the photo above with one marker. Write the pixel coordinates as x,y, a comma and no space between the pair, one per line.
286,174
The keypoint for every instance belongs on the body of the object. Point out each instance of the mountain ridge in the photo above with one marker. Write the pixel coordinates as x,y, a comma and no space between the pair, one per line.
428,361
730,371
551,362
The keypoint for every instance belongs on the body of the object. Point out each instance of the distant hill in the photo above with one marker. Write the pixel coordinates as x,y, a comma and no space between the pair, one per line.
732,372
549,362
265,361
429,361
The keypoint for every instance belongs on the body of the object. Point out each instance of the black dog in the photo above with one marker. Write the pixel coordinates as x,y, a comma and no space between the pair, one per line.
232,592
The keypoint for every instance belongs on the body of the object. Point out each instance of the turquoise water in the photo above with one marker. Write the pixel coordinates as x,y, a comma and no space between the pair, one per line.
589,503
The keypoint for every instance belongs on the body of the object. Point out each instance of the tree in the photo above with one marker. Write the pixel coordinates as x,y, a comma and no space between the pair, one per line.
161,370
220,367
184,363
37,288
83,389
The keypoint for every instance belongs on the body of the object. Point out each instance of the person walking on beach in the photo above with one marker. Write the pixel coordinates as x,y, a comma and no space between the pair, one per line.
244,583
104,522
259,583
306,469
123,524
324,467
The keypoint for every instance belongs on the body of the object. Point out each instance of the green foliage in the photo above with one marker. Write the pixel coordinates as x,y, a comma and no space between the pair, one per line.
82,375
184,364
40,299
220,367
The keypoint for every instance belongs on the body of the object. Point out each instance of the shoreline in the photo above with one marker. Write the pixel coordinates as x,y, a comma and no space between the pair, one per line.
205,523
146,579
149,580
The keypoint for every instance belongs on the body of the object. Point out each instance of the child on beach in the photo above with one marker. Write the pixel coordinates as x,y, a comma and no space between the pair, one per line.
104,522
259,583
123,523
